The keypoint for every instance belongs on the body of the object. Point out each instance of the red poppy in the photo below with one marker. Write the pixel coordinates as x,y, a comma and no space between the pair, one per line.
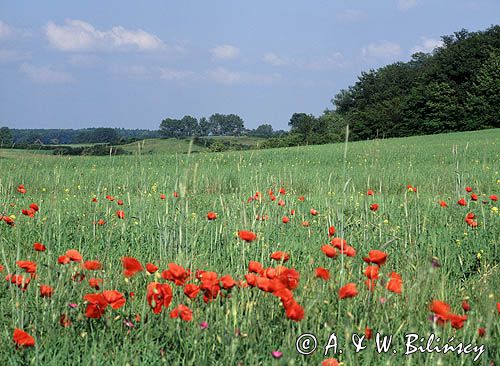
468,189
322,273
151,268
465,305
120,203
443,204
329,251
305,223
376,256
371,272
176,194
94,199
1,268
28,266
368,333
74,255
21,189
292,212
331,231
46,291
313,212
294,310
120,214
158,295
95,283
191,290
348,290
494,197
285,220
30,212
110,198
247,236
473,197
462,202
92,265
227,282
211,215
301,198
114,298
96,306
280,256
163,197
21,338
370,192
176,274
183,312
64,320
330,362
374,207
63,259
39,247
281,203
131,266
498,307
255,267
481,332
282,191
34,207
9,221
395,284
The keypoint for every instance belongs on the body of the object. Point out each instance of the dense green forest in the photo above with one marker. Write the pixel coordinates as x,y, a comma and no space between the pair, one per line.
456,87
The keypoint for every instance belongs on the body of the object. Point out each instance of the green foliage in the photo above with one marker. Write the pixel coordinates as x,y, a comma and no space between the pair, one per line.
5,137
455,88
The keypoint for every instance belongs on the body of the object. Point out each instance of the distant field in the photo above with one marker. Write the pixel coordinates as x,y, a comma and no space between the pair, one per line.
432,252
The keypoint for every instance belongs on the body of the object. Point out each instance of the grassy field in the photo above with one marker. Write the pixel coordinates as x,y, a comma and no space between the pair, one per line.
183,146
436,253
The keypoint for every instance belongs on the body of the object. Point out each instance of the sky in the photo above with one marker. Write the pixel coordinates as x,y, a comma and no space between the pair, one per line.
130,64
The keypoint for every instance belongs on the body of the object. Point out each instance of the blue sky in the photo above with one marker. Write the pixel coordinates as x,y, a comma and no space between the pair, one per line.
69,64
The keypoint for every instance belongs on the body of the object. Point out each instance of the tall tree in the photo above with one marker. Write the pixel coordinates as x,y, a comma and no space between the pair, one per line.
5,137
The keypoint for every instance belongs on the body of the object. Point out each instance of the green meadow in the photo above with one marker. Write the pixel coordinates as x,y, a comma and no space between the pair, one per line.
436,253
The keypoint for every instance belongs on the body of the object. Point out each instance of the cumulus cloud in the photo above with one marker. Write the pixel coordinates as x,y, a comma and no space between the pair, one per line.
427,45
407,4
224,76
5,30
384,49
275,60
46,75
79,36
225,52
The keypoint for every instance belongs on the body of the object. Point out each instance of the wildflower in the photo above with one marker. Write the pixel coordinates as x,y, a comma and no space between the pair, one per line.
322,273
21,338
348,290
131,266
183,312
211,215
39,247
247,236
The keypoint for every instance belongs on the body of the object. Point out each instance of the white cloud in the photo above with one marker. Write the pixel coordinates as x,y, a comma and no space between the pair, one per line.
177,75
348,16
77,35
225,52
275,60
5,30
407,4
222,75
46,75
383,49
427,45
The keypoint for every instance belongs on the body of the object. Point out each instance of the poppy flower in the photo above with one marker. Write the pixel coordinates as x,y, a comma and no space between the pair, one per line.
411,188
183,312
211,215
280,256
9,221
28,266
305,223
158,295
376,256
443,204
348,290
313,212
247,236
92,265
21,338
368,333
494,197
473,197
465,305
120,203
39,247
96,306
64,320
294,311
331,231
292,212
151,268
74,255
255,267
498,307
34,207
371,272
369,193
374,207
462,202
285,220
94,199
131,266
395,284
329,251
176,274
1,268
191,290
176,195
301,198
163,197
481,332
468,189
63,259
282,191
120,214
95,283
114,298
21,189
46,291
330,362
227,282
281,203
110,198
29,213
322,273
